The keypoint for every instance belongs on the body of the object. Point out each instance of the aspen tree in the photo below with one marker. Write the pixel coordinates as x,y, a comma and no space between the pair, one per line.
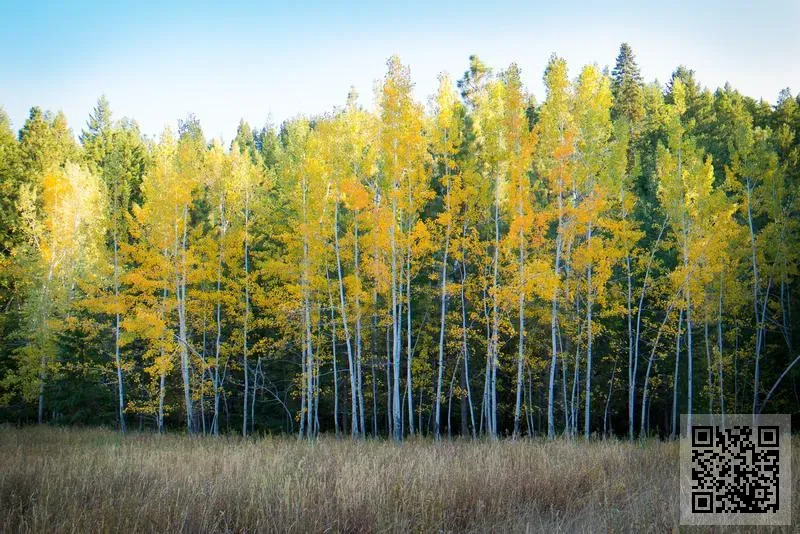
402,154
445,144
555,133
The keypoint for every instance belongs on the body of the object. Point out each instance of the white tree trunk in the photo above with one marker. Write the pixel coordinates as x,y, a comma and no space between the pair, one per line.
589,299
521,355
395,322
551,422
343,313
443,314
465,344
359,369
180,291
246,301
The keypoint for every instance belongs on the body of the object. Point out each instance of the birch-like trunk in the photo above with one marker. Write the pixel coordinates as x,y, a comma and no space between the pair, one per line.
223,226
409,348
180,291
709,368
675,429
756,302
359,372
343,313
719,354
309,350
246,300
118,362
495,313
162,374
443,315
333,350
589,299
646,387
521,355
485,402
608,398
690,362
374,346
631,362
395,314
551,422
464,341
632,382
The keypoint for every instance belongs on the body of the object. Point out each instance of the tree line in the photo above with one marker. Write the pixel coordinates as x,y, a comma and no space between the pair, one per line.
483,265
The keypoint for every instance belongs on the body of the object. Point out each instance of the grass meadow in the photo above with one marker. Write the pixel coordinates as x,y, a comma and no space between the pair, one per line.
94,480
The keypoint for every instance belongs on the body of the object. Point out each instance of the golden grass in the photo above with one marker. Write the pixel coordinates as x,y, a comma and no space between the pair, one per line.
71,480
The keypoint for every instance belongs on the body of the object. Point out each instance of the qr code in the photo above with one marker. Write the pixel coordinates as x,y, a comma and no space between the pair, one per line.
736,468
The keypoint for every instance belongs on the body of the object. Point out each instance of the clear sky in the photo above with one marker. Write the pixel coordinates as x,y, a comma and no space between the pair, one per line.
159,61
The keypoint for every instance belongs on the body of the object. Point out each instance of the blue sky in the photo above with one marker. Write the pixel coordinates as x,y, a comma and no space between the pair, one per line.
258,60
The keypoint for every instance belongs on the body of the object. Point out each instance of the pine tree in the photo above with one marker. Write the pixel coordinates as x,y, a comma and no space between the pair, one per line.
627,86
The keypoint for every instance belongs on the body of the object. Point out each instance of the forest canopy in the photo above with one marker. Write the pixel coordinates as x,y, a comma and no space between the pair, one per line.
595,263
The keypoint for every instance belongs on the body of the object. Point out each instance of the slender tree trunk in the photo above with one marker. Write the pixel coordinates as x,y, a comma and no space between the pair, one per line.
632,386
521,354
608,398
576,393
303,386
442,321
485,402
760,341
203,376
162,374
690,372
395,320
343,313
719,355
736,372
120,385
246,300
564,383
316,400
675,429
756,300
359,368
389,386
529,408
40,409
785,302
495,314
180,290
688,294
631,362
420,428
310,391
309,350
589,298
409,348
465,344
709,368
253,399
335,366
373,359
218,343
44,334
450,402
551,422
161,393
374,400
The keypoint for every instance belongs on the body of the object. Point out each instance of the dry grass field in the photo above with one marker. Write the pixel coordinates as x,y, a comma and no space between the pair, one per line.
71,480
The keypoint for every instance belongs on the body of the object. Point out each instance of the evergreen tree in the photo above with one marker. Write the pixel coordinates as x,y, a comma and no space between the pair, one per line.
627,87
